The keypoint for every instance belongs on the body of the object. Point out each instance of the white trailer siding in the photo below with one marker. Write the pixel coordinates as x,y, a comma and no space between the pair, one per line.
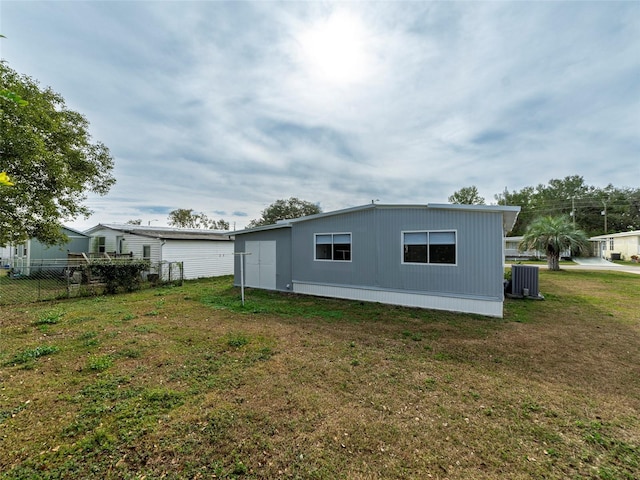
202,258
130,243
625,244
136,243
109,240
204,253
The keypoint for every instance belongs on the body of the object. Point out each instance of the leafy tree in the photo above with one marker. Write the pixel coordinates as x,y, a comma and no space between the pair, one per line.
553,235
619,208
47,152
187,218
467,196
184,218
137,221
284,210
219,225
585,204
525,200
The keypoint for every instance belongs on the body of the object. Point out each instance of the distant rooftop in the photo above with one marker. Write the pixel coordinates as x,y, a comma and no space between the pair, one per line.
164,233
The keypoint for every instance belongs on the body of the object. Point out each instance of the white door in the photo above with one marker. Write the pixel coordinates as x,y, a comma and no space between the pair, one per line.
260,264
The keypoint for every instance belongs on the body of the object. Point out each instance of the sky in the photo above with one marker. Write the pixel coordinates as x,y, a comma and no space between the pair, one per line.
226,107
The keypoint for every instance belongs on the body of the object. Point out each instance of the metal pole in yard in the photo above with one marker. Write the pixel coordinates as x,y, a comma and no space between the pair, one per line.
242,255
242,277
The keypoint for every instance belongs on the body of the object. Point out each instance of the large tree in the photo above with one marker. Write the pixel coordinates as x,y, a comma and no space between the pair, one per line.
524,199
595,210
188,218
467,196
284,210
554,235
47,152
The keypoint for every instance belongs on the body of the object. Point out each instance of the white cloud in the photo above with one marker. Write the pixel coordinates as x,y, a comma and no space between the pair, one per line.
228,106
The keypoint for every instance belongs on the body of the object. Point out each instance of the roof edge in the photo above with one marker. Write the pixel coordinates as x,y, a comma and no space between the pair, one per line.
510,214
630,233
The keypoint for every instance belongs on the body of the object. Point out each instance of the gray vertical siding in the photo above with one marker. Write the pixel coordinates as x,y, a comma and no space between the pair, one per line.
377,251
363,268
77,243
282,236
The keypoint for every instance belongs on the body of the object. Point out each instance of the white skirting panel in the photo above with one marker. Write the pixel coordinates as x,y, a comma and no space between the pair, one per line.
488,307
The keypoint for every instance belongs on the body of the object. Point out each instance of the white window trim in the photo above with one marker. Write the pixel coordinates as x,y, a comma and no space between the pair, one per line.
315,235
402,262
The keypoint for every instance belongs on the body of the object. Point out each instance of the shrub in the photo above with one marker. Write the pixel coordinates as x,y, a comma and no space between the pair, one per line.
119,274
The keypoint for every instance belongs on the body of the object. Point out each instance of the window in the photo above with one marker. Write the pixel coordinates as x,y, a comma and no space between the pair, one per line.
611,247
146,252
429,247
333,246
100,241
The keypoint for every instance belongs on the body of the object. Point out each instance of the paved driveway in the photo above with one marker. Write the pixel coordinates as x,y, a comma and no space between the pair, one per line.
596,263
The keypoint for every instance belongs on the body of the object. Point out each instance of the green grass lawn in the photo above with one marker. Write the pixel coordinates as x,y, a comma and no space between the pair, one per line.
627,263
185,382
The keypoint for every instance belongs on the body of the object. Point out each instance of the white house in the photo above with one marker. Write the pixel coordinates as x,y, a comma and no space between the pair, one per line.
618,246
512,250
204,253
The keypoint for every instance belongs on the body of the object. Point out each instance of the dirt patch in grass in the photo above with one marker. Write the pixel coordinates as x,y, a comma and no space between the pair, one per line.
184,382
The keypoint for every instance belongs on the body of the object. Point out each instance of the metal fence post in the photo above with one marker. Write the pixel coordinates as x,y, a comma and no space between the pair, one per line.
39,284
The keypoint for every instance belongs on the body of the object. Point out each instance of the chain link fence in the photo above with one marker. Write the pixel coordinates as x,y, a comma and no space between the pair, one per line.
50,280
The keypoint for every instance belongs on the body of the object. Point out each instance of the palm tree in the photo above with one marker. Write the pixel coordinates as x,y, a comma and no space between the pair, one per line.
553,235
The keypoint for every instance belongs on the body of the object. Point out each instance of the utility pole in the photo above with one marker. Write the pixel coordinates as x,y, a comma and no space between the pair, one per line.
604,212
573,210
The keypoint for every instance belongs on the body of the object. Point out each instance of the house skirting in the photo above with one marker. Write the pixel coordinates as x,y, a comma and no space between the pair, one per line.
480,306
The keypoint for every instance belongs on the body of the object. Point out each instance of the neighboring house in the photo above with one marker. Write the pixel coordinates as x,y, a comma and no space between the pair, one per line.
512,252
617,246
447,257
5,256
33,255
204,253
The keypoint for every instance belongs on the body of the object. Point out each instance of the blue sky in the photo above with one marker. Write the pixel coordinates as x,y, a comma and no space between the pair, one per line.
225,107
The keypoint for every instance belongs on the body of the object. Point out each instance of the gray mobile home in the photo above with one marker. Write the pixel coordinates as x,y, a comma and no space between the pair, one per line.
440,256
